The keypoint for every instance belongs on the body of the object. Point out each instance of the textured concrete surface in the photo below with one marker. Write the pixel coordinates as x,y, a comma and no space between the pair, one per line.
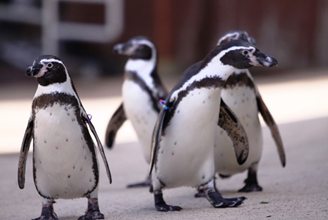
298,191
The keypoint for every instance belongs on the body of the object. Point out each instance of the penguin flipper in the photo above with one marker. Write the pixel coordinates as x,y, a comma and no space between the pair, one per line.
234,129
100,147
24,152
156,137
273,128
114,124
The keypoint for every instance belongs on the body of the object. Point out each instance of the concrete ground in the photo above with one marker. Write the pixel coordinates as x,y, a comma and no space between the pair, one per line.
298,103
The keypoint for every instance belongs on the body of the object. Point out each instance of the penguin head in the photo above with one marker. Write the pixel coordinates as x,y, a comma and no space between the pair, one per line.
48,69
243,55
236,35
136,48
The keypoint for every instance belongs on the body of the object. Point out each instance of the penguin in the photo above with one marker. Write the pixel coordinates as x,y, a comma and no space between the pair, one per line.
142,89
64,156
184,134
241,94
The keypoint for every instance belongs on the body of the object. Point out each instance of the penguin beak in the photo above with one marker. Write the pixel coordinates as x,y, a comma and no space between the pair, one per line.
264,60
33,70
117,49
124,49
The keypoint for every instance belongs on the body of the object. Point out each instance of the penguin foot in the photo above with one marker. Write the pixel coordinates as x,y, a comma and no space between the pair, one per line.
161,205
145,183
251,184
47,212
200,193
218,201
251,187
92,211
141,184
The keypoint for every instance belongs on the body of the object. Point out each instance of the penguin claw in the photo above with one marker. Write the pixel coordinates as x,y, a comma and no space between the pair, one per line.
161,205
165,208
200,194
141,184
92,215
218,201
251,187
46,217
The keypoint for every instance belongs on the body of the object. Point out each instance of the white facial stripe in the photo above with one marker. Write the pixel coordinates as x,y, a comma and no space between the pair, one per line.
215,68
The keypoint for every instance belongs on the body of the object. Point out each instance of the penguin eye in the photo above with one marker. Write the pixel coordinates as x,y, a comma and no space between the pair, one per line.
49,65
245,52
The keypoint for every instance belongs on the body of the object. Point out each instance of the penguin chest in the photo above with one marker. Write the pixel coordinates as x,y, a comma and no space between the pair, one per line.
242,101
139,109
185,156
64,166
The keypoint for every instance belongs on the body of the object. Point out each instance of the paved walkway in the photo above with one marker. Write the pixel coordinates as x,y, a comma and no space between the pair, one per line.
299,191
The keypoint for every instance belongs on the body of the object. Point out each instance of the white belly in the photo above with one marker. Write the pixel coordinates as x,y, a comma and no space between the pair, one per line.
242,102
185,156
138,109
62,160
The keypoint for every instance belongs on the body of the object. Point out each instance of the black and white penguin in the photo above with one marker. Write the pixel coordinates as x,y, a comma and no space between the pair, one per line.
141,91
241,94
183,138
65,164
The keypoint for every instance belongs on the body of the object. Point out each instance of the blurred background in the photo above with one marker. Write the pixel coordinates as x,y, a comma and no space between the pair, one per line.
83,32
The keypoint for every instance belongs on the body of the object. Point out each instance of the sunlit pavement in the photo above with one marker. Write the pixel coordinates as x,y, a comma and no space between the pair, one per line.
298,191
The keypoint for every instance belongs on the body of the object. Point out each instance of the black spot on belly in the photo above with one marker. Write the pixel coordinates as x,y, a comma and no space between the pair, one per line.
243,100
90,180
175,143
66,139
221,132
73,119
203,102
222,155
45,141
85,157
50,113
162,152
81,169
203,177
57,195
56,147
69,176
73,167
235,103
39,161
178,111
172,153
68,114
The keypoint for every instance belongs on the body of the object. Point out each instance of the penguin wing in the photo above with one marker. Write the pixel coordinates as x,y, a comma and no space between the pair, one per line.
234,129
24,152
273,127
114,124
156,137
100,147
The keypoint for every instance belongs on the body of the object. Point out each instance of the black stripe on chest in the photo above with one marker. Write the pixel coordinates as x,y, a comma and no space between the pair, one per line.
63,99
133,76
207,83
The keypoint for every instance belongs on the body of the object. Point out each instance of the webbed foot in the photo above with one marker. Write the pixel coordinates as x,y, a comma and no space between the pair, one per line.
251,187
92,211
251,184
145,183
161,205
47,212
218,201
